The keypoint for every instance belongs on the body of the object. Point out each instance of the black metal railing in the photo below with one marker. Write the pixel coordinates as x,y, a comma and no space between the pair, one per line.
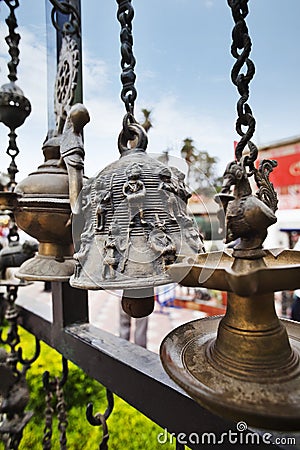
133,373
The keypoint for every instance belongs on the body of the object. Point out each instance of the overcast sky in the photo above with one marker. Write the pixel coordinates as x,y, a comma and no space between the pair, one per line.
183,69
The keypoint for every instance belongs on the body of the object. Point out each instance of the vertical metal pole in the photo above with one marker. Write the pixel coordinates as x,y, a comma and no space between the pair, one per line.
54,43
78,97
51,64
69,306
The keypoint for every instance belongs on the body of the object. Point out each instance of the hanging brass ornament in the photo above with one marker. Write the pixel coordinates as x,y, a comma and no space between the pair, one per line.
14,107
47,197
244,366
45,204
133,222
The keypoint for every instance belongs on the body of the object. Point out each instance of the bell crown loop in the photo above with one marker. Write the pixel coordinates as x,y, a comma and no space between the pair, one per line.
134,132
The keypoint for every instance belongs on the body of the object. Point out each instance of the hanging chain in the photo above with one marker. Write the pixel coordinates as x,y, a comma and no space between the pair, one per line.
14,390
125,16
55,388
240,49
132,131
49,411
62,415
101,419
73,26
12,39
13,338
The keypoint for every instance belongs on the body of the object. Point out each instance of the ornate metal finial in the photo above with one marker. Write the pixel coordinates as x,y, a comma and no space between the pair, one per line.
14,106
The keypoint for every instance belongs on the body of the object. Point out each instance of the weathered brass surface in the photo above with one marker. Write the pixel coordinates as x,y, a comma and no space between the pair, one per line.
45,205
43,211
271,403
242,366
278,270
135,225
132,304
247,369
46,198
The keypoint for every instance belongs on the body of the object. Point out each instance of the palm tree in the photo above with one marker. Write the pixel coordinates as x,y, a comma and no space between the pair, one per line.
147,120
201,167
189,153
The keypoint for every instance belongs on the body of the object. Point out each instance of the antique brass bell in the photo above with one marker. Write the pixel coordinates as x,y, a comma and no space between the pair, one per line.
135,222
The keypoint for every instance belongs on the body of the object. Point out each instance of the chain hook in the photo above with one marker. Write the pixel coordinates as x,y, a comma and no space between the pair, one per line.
132,132
100,419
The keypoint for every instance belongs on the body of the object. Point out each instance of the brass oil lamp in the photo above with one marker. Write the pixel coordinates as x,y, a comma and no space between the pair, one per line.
46,198
245,365
133,221
45,204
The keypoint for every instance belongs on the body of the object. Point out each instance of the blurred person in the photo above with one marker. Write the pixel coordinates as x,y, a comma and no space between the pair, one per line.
295,314
141,327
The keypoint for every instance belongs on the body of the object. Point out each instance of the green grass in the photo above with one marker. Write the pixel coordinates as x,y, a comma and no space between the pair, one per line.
128,428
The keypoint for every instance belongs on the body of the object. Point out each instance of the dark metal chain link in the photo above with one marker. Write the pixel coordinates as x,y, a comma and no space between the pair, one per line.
62,416
49,411
125,16
73,26
13,338
54,389
101,419
240,49
12,39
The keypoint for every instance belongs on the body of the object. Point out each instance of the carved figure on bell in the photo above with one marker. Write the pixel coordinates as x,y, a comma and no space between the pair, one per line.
112,253
162,244
182,191
103,200
168,192
134,190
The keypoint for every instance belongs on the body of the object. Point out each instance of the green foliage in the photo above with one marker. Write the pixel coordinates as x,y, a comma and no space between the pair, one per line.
128,428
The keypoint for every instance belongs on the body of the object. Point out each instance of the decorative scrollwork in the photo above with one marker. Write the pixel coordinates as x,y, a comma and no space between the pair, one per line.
266,192
66,80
